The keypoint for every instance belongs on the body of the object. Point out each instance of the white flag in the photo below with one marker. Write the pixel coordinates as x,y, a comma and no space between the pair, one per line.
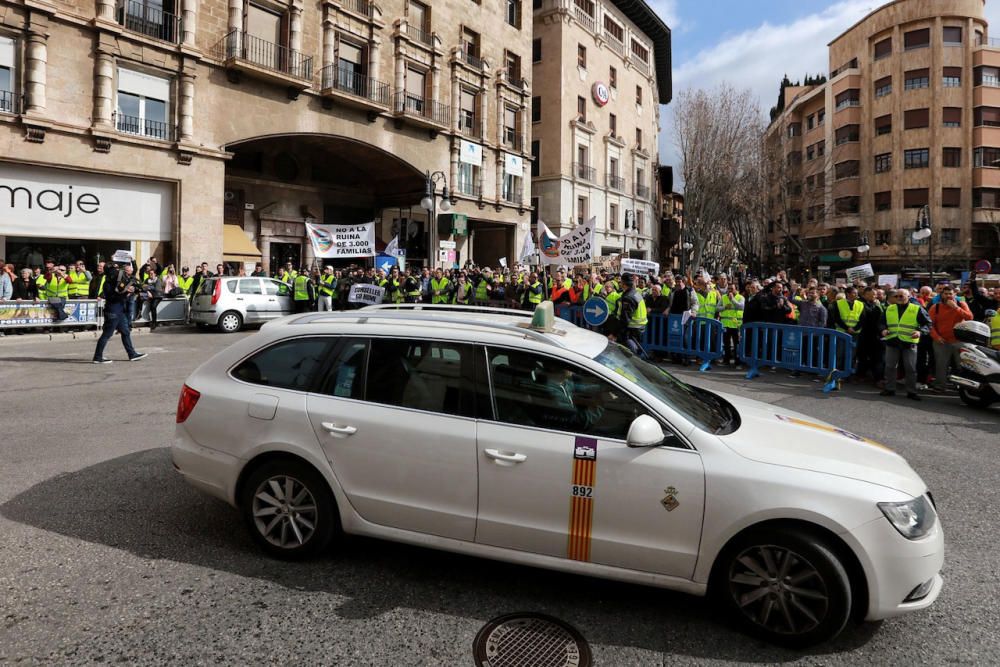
528,250
575,247
392,248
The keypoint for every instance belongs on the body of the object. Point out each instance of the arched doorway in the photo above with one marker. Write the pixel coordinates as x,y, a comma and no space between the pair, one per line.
275,184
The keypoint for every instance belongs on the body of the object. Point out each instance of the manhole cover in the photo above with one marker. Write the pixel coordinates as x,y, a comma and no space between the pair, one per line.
530,640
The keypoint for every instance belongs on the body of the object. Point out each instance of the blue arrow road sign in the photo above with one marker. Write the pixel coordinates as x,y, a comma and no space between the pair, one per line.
385,262
595,311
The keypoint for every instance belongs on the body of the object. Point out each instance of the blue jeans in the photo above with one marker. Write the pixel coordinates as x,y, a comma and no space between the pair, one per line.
115,321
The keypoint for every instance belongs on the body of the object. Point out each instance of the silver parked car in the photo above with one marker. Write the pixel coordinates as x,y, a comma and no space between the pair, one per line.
229,303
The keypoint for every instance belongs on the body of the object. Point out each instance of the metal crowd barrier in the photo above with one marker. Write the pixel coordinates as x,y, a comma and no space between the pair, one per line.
805,349
81,313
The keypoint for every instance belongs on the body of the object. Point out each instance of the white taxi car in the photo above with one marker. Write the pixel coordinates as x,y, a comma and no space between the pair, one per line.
474,431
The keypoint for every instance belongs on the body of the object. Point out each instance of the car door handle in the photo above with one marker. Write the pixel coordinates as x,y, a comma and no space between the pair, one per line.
497,455
239,298
337,430
272,299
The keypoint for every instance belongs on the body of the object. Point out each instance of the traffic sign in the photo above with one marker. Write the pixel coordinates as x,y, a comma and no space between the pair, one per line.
983,266
596,311
385,262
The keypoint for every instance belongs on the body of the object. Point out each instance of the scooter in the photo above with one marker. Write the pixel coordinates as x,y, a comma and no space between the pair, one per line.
978,373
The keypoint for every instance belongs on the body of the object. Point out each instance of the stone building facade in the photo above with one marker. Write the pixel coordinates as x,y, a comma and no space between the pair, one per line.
909,117
163,121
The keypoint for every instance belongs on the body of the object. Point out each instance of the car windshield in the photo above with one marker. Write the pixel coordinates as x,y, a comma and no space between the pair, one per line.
706,410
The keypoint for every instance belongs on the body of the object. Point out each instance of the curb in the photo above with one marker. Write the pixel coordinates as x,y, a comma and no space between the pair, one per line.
63,337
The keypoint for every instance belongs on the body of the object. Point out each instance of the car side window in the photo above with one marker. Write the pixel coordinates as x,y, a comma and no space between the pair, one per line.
435,376
535,390
249,286
289,364
346,375
231,286
275,288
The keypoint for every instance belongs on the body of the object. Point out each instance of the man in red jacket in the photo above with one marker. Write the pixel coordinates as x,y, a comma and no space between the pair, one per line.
945,314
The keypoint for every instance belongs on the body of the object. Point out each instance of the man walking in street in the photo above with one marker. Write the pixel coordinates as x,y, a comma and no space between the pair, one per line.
120,287
902,325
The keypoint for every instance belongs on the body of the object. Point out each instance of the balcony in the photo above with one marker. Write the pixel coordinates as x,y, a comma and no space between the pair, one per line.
512,140
642,191
149,20
585,19
352,88
8,102
469,126
514,78
421,111
362,7
512,198
419,35
471,59
640,65
148,129
468,189
584,171
614,43
616,182
243,52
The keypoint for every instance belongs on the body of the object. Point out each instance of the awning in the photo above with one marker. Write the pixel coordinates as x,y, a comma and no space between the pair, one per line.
236,247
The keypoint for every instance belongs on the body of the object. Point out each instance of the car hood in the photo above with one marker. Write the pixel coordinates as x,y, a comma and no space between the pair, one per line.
773,435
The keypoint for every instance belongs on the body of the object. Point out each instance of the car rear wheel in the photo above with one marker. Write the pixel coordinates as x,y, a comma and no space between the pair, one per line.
289,509
784,586
230,322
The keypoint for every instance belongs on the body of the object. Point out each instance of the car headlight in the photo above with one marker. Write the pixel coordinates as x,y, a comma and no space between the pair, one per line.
913,518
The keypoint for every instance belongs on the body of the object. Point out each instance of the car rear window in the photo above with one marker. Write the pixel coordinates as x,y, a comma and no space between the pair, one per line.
289,364
208,287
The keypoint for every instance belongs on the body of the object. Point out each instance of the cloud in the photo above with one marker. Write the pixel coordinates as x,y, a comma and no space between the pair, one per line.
667,10
992,13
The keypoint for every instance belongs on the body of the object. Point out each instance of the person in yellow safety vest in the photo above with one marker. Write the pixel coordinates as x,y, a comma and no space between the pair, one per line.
303,294
995,332
847,314
394,285
612,296
902,324
52,287
632,318
96,287
412,291
733,304
78,279
289,274
440,288
708,298
463,290
484,287
533,292
185,280
326,287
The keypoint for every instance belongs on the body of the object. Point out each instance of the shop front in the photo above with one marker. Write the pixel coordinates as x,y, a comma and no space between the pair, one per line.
69,215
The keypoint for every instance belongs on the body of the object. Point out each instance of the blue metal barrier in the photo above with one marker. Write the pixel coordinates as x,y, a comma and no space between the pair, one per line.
805,349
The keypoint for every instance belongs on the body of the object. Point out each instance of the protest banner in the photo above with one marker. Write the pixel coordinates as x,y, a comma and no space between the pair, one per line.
333,241
366,294
640,267
575,247
860,272
889,280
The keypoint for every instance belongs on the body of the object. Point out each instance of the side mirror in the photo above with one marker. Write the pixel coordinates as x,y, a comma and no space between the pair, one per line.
645,432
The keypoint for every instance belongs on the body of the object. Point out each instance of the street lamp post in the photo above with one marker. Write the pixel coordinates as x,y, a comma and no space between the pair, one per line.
429,204
864,247
685,249
923,231
630,232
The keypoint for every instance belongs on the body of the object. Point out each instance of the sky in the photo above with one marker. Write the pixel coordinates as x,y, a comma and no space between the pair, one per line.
754,44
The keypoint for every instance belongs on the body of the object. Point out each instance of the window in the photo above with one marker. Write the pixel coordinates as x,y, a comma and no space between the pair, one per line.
418,16
883,163
847,205
821,148
581,109
346,378
351,68
986,156
536,50
513,15
612,28
917,39
468,179
794,130
847,134
847,169
511,138
950,235
142,105
542,392
986,116
422,375
581,210
952,77
884,237
951,157
883,49
613,124
275,288
914,119
416,87
640,51
249,286
810,153
849,98
638,95
951,197
513,64
471,42
883,202
810,122
986,198
952,36
951,117
987,76
613,77
883,86
640,178
7,76
883,124
613,216
581,56
820,117
536,109
289,364
511,188
536,147
915,197
638,138
582,158
640,217
917,78
916,158
468,113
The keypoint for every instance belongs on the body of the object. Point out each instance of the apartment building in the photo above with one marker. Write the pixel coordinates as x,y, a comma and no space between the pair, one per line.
908,118
601,70
193,130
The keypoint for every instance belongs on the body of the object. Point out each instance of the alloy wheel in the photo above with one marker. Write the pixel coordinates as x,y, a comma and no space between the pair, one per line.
778,590
284,512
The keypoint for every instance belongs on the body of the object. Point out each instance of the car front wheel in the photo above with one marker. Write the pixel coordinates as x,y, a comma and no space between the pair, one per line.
289,509
784,586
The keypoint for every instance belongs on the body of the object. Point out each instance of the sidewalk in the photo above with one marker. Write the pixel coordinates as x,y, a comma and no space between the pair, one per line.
66,336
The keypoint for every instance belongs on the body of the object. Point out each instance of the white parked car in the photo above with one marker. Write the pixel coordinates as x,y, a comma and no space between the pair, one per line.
229,303
463,429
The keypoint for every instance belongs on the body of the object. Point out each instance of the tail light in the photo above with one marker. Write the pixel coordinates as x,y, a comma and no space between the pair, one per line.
185,404
217,292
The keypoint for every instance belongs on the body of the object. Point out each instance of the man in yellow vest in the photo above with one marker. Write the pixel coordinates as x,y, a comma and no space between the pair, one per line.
327,285
708,298
289,274
52,287
847,314
302,292
440,288
733,304
632,318
995,332
902,324
78,281
532,292
185,281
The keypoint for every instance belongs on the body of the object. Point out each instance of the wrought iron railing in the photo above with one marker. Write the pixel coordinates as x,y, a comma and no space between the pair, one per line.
511,139
471,59
140,127
615,181
346,80
415,105
363,7
512,197
149,20
584,171
469,188
470,126
420,35
642,191
514,78
8,101
268,55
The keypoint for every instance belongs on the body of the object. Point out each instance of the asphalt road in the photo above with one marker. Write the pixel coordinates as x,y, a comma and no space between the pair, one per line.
107,556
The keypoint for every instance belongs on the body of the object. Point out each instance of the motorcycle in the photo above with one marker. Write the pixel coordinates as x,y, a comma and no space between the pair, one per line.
978,373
